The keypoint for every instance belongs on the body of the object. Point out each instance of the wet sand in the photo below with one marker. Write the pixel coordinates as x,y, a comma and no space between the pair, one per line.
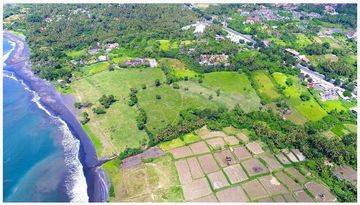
19,63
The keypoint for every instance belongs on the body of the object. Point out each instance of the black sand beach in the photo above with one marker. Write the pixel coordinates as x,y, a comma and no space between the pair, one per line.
20,65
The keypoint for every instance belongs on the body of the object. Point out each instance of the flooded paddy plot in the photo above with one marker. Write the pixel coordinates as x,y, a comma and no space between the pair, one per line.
233,194
199,148
209,198
254,190
271,162
282,158
272,185
302,196
196,189
288,181
216,143
254,167
183,171
296,174
181,152
241,153
225,158
235,173
218,180
255,147
320,192
195,169
231,140
208,163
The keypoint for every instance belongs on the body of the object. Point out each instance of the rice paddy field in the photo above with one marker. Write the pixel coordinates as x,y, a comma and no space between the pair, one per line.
265,86
166,45
310,109
96,68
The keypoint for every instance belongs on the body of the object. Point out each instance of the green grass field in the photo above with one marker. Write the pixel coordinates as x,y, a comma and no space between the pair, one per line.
166,110
117,128
302,41
310,109
265,86
178,68
236,86
96,68
330,105
76,53
166,45
340,130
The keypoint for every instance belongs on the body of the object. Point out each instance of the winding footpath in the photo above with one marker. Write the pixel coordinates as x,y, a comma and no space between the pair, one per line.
19,63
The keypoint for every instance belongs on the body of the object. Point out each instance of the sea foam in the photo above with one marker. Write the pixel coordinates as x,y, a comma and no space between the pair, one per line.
75,182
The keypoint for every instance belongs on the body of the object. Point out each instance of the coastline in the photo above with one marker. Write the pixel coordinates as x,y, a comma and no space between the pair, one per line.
19,64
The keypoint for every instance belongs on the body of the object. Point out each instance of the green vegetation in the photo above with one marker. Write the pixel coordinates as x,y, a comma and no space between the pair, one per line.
309,108
166,110
96,68
265,86
236,85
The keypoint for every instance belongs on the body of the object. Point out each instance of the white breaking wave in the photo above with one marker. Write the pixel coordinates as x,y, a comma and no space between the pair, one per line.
6,56
75,183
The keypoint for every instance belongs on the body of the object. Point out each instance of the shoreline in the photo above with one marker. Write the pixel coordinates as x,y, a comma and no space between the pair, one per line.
18,63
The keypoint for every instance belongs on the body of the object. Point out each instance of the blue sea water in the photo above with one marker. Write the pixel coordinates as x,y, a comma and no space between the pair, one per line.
33,154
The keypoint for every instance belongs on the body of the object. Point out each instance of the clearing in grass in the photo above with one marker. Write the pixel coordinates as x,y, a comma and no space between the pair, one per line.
265,86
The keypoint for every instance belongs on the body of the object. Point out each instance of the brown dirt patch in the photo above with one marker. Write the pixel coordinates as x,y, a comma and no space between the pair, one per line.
291,156
320,192
283,159
254,147
288,181
241,153
235,173
346,173
195,169
289,197
199,148
135,161
218,180
233,194
302,196
254,189
244,138
254,167
183,171
271,162
296,174
231,140
181,152
267,199
216,143
203,132
208,163
298,154
209,198
196,189
221,158
272,185
279,198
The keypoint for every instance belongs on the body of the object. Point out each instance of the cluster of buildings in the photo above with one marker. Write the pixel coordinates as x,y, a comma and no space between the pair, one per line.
214,60
136,62
297,55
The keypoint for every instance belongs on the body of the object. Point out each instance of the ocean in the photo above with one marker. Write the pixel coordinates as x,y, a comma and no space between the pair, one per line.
40,156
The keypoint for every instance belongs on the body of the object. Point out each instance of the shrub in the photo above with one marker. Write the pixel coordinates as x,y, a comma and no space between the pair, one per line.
106,101
78,105
304,97
143,86
99,110
289,82
85,118
157,83
158,97
176,86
